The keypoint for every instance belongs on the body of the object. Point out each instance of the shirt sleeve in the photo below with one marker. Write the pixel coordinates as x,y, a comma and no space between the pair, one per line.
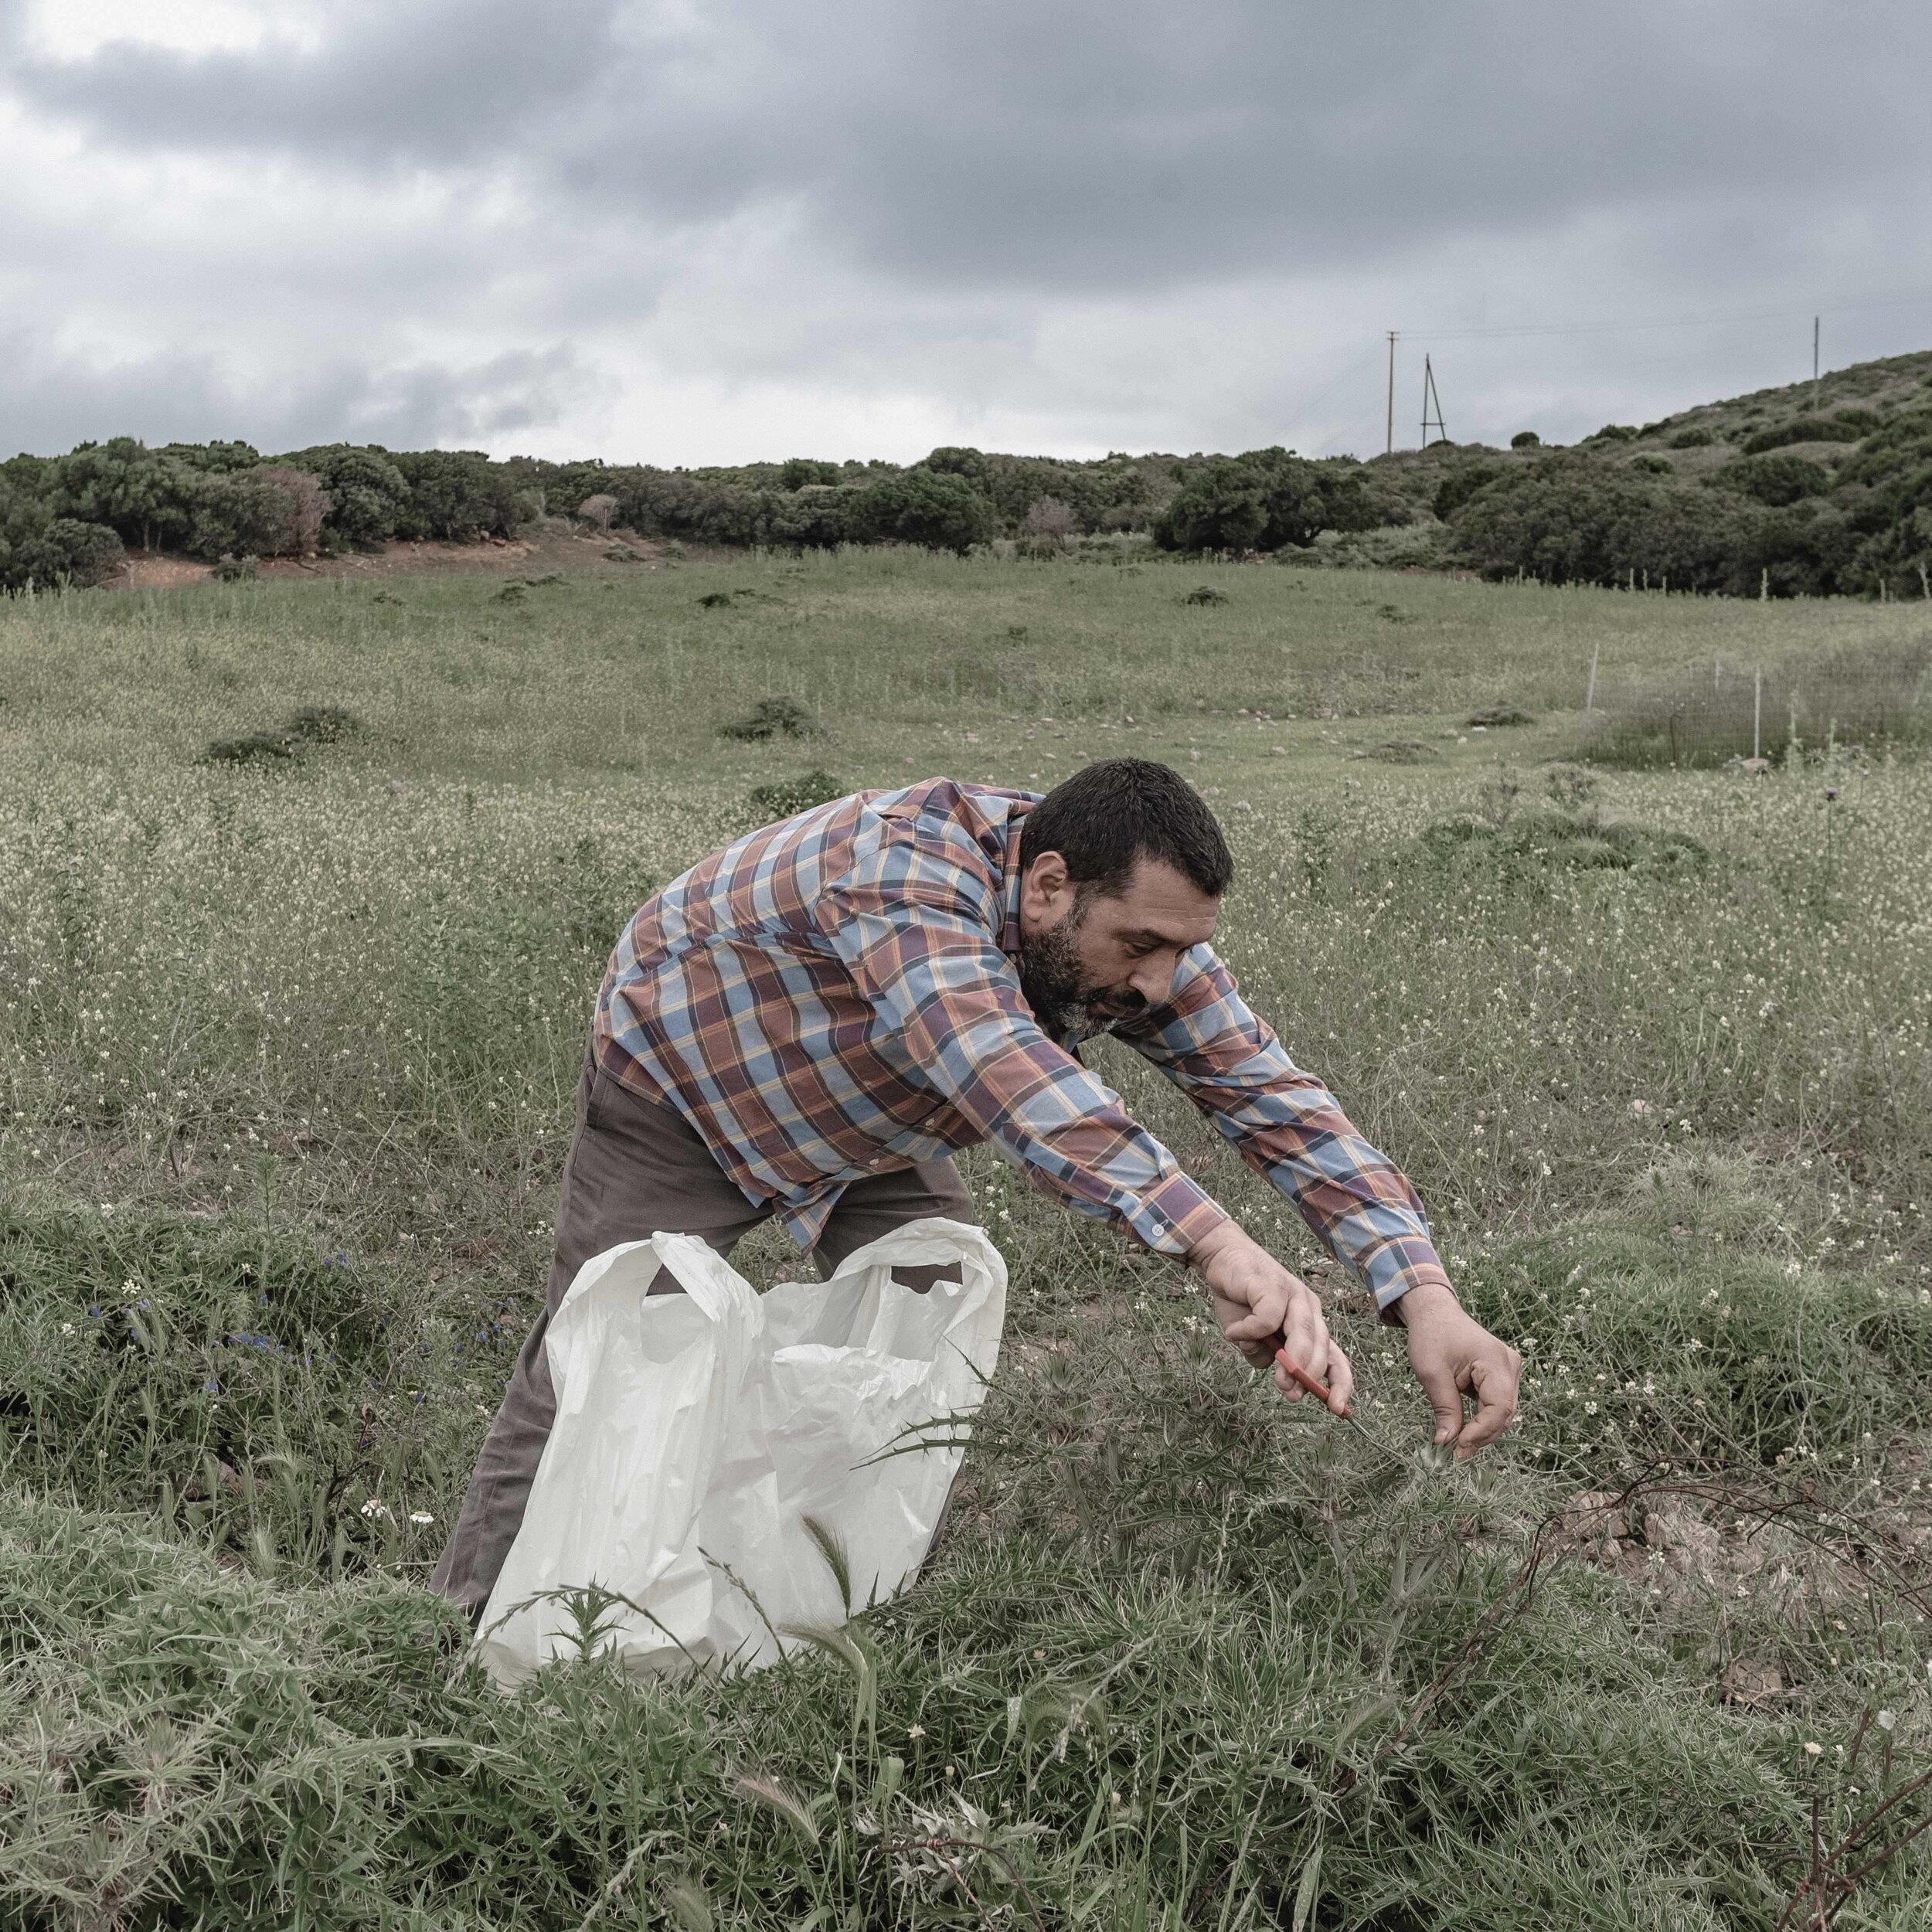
1288,1127
916,940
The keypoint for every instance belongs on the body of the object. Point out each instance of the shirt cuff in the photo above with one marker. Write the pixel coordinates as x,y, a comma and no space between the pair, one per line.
1176,1216
1413,1274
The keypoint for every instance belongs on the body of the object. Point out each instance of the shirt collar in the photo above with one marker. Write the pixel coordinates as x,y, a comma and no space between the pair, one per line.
1009,940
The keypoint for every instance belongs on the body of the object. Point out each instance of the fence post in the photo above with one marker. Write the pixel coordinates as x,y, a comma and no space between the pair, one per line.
1757,716
1589,701
1764,587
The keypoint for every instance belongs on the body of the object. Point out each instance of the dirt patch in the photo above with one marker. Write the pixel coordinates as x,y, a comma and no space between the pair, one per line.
589,553
161,574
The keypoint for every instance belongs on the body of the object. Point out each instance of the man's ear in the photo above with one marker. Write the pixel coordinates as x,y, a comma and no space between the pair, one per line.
1046,891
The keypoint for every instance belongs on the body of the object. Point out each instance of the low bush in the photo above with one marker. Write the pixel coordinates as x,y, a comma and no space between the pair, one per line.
251,748
1696,437
780,717
323,724
1774,480
1810,428
1575,840
1206,594
311,724
1526,439
1493,716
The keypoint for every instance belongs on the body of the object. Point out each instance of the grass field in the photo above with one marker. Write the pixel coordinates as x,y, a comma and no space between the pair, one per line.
286,1046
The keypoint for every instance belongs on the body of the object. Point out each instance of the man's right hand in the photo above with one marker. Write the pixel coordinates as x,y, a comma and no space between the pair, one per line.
1262,1307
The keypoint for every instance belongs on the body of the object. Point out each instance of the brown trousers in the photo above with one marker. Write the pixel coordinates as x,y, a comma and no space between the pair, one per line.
636,1168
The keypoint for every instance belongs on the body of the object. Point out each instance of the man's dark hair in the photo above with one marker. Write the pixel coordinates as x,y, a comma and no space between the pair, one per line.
1117,811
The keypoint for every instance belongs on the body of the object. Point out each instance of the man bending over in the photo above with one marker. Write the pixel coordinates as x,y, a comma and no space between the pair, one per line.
809,1022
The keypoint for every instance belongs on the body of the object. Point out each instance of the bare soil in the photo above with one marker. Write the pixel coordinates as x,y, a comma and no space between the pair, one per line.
552,549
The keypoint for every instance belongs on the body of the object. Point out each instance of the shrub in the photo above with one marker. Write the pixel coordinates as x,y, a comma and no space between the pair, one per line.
787,797
1774,480
142,495
1493,716
323,724
771,718
269,748
597,511
272,510
1206,594
369,496
231,568
1265,500
1803,429
39,550
1526,439
1614,432
458,496
1649,464
1566,520
798,472
937,508
1461,485
815,516
1696,437
82,557
1570,840
1049,520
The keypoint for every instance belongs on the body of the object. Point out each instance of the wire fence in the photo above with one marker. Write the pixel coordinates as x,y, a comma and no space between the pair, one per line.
1873,698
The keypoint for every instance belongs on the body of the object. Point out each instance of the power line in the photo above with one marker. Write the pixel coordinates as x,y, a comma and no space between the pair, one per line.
1902,299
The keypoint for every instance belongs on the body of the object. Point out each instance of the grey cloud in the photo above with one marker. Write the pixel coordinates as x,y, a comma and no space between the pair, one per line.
441,81
1077,147
54,400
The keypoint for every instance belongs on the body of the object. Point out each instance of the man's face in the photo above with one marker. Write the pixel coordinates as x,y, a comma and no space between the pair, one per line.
1088,958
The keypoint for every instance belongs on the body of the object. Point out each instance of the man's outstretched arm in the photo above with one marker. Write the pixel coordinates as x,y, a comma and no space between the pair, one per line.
1289,1127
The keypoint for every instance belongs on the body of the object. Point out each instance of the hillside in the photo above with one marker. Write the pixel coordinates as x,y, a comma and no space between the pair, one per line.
1786,491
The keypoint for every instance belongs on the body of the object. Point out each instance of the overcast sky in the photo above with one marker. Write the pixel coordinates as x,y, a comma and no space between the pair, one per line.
690,231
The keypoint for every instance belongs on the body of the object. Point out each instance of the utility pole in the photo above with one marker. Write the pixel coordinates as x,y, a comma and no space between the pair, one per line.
1391,449
1814,365
1429,396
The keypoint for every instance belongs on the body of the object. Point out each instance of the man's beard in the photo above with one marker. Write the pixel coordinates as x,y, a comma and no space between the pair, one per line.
1055,985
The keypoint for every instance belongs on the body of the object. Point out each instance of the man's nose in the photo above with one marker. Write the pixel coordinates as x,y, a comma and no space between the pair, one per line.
1152,978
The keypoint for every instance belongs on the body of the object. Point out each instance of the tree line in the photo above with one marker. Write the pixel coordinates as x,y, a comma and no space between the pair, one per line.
1806,502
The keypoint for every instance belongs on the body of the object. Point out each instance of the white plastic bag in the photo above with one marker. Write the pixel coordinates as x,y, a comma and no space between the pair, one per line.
695,1432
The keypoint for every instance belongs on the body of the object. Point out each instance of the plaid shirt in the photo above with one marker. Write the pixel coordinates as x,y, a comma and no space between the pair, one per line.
837,994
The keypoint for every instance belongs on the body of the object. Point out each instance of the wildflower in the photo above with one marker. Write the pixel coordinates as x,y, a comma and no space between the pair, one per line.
1887,1719
66,1328
1589,1408
1814,1750
376,1509
211,1386
1639,1108
421,1516
916,1730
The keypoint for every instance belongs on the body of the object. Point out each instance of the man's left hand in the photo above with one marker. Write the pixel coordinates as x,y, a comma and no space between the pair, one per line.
1454,1355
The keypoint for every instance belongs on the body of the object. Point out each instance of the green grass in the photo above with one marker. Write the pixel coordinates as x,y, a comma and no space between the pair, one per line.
286,1055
